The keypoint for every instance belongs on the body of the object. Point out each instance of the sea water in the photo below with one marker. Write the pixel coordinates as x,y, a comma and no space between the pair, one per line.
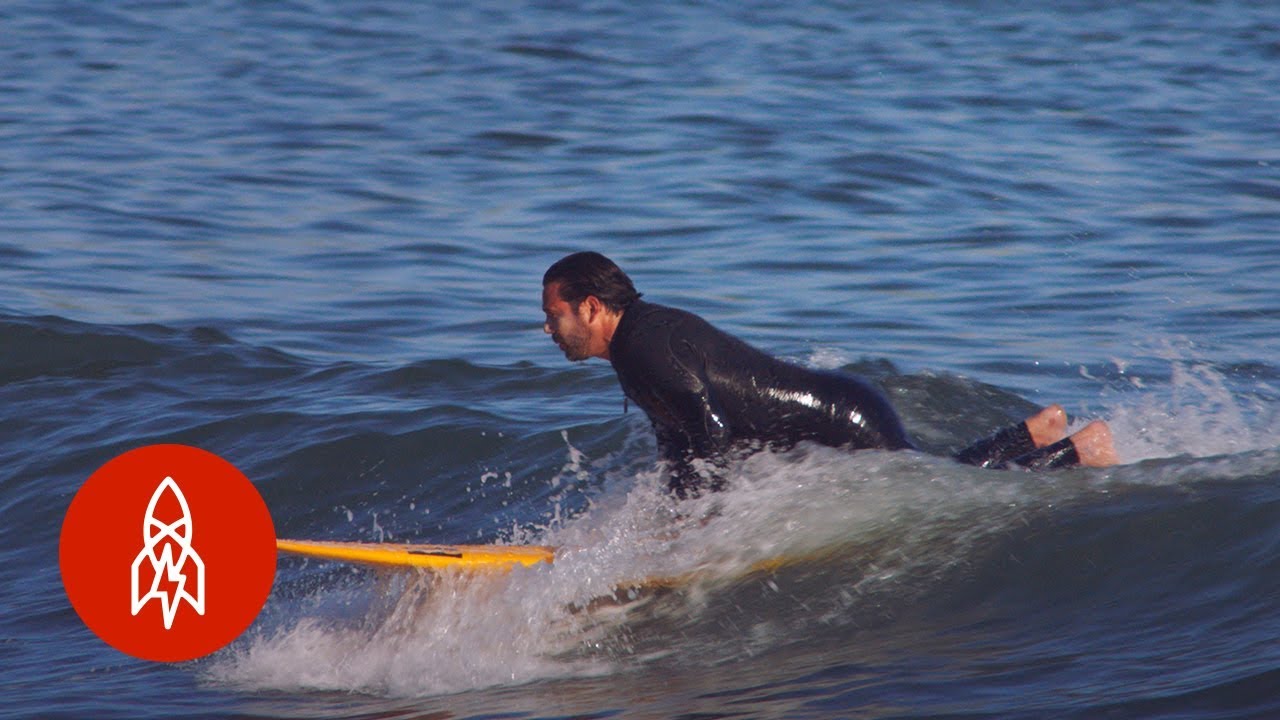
309,236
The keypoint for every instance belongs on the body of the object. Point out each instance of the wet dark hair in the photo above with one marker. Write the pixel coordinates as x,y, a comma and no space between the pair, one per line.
590,273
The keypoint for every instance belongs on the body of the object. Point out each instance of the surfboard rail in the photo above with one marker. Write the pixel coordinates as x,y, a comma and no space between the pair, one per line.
434,557
503,558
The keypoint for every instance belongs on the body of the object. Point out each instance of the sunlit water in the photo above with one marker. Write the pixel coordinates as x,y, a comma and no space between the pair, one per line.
309,237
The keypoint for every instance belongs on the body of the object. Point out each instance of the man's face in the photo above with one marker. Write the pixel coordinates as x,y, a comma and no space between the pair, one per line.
566,327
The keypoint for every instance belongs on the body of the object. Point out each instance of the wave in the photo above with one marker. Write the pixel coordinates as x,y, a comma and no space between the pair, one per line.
881,545
53,347
1171,555
50,346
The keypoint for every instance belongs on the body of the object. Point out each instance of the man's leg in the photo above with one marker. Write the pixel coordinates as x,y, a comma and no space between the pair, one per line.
1092,446
1095,446
1040,430
1047,426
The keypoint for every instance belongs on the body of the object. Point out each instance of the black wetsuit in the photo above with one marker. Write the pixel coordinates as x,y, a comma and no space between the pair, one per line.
709,394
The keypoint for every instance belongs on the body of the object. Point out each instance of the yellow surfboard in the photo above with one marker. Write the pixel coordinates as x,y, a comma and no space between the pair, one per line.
488,558
434,557
498,559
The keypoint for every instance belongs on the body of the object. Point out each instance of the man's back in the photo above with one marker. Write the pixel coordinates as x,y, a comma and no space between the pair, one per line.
708,392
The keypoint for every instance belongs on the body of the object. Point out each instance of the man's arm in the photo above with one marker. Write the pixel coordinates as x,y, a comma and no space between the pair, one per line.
662,368
696,444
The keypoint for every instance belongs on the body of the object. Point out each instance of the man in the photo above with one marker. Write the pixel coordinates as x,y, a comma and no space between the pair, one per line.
709,394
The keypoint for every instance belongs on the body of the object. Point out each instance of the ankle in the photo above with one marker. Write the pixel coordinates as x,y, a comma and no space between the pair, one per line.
1047,426
1095,445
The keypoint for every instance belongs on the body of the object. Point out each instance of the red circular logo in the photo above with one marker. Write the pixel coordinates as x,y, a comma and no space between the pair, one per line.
167,552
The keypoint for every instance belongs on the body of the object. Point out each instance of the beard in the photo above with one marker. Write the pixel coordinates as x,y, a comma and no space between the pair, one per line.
575,346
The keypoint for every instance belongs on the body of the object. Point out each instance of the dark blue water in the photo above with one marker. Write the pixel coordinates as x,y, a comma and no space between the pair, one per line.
308,236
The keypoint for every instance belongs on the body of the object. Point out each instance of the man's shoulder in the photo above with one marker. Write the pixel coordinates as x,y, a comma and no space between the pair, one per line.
653,328
646,318
643,308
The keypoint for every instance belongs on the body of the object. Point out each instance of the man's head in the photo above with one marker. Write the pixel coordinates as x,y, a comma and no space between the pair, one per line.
583,297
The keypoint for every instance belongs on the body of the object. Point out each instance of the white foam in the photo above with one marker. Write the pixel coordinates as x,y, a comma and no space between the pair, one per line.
447,635
827,358
895,522
1199,411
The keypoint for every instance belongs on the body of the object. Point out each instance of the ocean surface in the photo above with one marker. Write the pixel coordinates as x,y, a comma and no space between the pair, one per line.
309,235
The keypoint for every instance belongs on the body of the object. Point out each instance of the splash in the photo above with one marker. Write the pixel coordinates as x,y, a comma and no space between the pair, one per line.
1190,406
641,580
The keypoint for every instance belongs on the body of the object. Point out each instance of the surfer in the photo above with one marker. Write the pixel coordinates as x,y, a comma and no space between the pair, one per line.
709,395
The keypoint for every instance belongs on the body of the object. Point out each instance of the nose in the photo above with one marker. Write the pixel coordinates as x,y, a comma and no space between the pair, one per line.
546,327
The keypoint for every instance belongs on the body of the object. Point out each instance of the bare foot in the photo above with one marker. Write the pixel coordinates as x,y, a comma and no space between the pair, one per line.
1094,445
1048,426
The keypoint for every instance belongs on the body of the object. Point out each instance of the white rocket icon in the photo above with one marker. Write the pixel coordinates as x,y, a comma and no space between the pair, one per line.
168,579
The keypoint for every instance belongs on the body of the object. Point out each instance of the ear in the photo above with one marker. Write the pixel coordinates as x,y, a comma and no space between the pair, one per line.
594,308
